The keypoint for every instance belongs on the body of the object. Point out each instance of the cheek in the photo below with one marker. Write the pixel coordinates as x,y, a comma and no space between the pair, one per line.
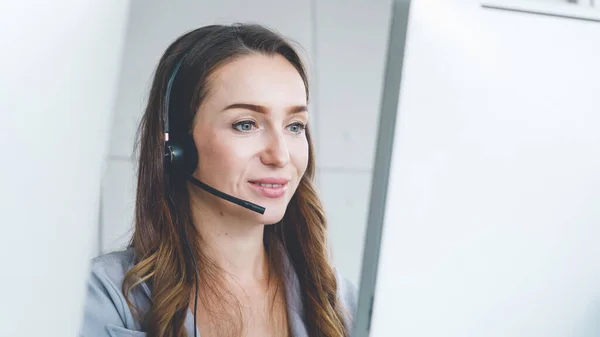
213,154
299,154
219,154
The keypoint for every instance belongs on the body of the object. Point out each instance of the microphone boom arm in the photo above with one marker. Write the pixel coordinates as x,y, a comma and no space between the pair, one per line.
246,204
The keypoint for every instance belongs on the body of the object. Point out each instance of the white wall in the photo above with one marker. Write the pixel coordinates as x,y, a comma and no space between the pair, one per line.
344,45
60,63
493,213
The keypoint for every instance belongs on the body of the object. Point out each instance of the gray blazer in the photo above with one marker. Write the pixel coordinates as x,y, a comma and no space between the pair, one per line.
106,313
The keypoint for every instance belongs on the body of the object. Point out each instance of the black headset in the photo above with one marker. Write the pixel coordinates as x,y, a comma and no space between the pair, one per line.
180,150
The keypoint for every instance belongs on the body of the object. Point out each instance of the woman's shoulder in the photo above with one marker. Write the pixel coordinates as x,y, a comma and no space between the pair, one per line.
114,264
108,270
106,309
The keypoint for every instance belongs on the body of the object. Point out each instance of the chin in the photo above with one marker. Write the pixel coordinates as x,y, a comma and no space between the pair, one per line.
272,215
271,220
274,211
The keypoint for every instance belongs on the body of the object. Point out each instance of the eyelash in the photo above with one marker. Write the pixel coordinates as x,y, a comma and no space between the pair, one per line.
240,123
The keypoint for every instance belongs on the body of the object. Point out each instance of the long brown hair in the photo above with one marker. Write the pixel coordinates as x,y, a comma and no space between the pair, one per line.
163,260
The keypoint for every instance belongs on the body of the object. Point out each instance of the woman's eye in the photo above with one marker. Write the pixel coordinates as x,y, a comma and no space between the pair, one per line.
244,126
297,127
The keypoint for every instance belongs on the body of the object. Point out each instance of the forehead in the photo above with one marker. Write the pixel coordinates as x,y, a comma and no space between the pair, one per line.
266,80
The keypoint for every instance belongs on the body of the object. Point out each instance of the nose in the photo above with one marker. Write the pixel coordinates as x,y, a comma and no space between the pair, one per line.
276,151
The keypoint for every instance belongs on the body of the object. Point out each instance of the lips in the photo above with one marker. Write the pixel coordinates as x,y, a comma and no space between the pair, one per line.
270,187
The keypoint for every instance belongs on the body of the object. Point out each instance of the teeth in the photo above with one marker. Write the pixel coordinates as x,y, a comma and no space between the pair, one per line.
270,185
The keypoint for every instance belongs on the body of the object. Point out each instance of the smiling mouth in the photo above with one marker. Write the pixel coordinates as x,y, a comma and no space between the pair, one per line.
269,189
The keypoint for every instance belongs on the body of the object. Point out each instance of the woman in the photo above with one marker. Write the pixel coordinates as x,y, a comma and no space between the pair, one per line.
238,95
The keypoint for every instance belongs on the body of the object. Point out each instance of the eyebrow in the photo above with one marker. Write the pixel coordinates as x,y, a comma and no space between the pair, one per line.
262,109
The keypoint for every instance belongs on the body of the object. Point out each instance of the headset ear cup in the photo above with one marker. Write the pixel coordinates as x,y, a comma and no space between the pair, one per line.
181,154
190,154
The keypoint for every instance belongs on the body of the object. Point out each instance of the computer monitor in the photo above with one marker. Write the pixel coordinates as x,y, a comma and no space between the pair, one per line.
485,204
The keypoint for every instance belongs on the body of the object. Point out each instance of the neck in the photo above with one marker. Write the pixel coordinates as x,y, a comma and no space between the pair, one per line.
235,246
